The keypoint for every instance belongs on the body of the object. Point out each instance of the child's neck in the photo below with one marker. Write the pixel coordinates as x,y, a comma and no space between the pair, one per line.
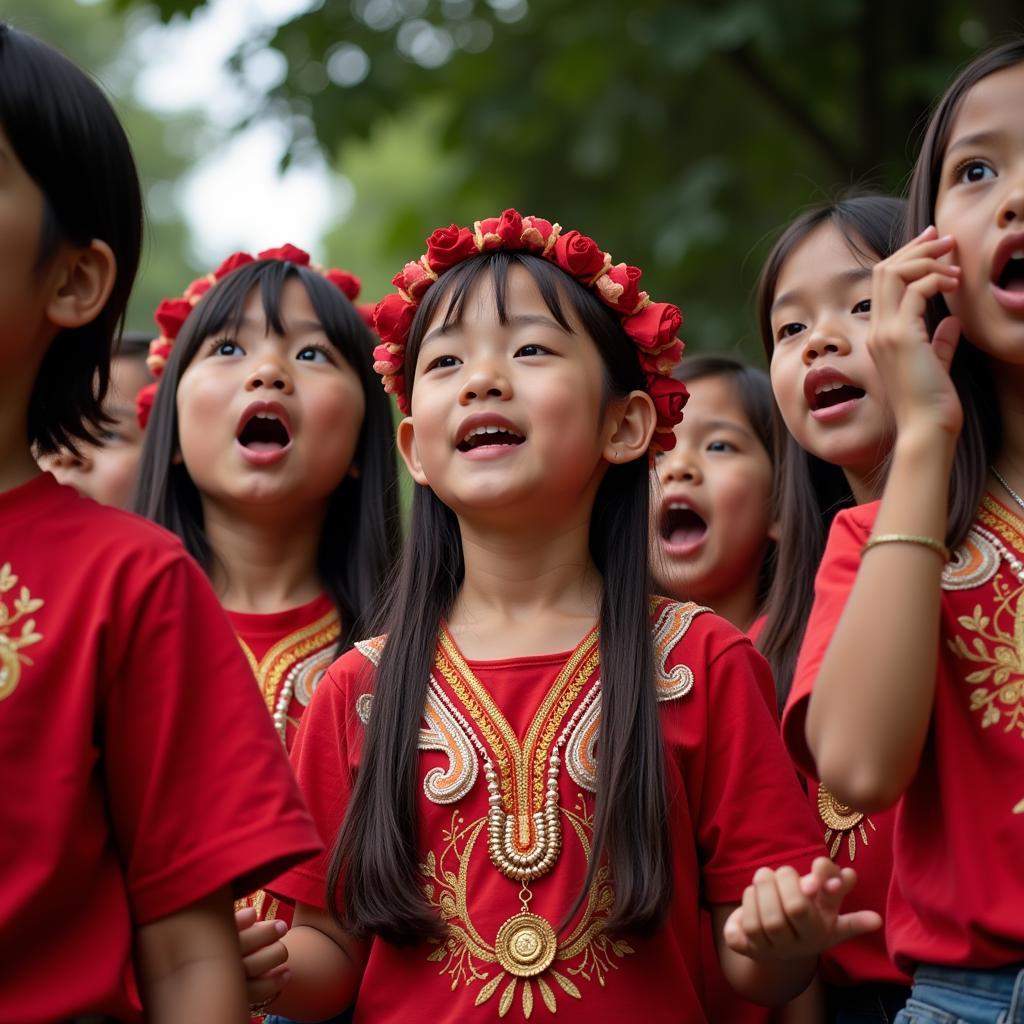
525,592
738,606
16,463
264,560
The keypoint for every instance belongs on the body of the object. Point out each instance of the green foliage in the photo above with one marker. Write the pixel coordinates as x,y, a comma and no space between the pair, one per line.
680,135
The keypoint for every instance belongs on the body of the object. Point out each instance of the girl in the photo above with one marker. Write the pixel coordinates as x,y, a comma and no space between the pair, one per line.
107,472
269,452
814,310
919,694
473,876
116,834
712,529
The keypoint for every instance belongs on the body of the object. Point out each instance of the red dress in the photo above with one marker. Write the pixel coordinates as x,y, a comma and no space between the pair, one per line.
119,805
288,652
492,727
957,896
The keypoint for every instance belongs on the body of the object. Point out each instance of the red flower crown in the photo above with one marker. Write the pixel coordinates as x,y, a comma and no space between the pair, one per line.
653,326
171,314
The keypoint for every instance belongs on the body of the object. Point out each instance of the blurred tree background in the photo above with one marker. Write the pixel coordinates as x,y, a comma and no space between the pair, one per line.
682,136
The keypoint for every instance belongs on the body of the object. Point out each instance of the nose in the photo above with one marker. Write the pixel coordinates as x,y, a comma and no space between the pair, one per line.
1011,209
486,379
679,466
65,461
823,339
271,372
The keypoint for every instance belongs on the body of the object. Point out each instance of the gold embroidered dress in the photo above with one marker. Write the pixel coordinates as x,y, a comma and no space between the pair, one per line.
508,778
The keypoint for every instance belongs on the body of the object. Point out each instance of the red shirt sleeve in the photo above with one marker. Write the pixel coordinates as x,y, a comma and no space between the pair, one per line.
325,757
200,791
832,586
753,810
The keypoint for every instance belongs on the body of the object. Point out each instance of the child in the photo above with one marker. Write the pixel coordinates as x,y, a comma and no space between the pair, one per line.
814,310
270,453
534,375
919,694
107,472
120,830
713,531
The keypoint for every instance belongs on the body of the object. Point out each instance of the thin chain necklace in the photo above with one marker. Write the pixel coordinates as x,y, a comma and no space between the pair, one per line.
1013,494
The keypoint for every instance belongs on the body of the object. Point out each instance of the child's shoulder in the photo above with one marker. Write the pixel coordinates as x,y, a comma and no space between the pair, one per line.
685,629
858,520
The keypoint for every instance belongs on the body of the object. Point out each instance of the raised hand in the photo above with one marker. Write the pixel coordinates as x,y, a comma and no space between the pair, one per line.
914,365
786,916
264,957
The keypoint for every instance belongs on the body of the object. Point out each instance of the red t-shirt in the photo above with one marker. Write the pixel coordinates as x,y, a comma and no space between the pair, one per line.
128,720
288,652
734,800
957,896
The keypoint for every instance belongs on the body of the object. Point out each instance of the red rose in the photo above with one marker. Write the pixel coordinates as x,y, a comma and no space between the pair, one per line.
386,360
448,246
655,326
663,361
197,289
620,287
170,315
395,385
414,279
233,262
144,404
669,396
392,319
510,228
579,255
348,283
286,252
539,234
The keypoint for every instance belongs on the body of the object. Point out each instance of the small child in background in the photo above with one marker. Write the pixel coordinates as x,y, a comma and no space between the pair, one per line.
123,840
713,531
106,472
814,310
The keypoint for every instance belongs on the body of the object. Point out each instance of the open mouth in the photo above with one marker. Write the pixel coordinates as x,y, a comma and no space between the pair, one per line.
1011,277
482,437
834,393
681,526
264,432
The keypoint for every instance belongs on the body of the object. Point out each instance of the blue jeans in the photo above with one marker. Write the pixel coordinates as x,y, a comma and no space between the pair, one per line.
949,995
342,1018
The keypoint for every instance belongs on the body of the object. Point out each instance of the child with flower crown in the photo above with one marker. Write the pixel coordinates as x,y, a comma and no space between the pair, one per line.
121,843
270,453
535,777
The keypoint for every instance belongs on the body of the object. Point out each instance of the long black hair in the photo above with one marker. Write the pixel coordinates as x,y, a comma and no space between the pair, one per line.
67,137
809,490
361,531
982,433
376,851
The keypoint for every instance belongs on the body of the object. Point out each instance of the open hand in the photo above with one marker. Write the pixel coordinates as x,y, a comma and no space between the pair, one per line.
786,916
264,956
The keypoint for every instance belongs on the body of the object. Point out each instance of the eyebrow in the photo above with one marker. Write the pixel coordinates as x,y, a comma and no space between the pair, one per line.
975,139
121,412
520,320
844,278
712,425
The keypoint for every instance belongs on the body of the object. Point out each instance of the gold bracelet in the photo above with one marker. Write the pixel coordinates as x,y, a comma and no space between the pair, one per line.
907,538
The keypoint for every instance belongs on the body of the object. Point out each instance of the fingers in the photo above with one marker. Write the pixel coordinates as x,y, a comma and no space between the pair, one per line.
945,340
245,918
263,990
855,924
735,937
266,960
256,936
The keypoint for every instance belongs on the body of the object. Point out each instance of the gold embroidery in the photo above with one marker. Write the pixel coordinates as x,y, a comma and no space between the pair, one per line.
12,642
587,953
975,562
841,820
669,628
315,642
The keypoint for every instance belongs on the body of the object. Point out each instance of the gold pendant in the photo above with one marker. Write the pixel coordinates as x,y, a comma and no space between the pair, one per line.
525,945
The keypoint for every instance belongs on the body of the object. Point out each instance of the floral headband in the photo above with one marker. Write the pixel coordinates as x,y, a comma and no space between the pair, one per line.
171,314
653,326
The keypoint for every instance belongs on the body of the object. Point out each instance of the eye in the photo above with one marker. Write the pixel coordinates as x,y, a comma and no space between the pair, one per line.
864,306
225,347
789,330
533,350
314,354
721,446
974,171
111,436
443,363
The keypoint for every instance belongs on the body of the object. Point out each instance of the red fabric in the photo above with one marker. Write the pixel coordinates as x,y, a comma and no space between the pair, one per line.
957,892
735,805
123,740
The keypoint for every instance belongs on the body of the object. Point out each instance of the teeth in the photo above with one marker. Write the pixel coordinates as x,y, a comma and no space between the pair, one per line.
266,416
1017,255
678,506
834,386
490,430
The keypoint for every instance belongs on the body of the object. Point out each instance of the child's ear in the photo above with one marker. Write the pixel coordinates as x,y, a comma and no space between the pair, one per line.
774,530
633,421
83,282
406,442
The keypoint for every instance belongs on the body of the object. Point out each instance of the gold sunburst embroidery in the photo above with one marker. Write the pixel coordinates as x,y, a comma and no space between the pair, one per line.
14,640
